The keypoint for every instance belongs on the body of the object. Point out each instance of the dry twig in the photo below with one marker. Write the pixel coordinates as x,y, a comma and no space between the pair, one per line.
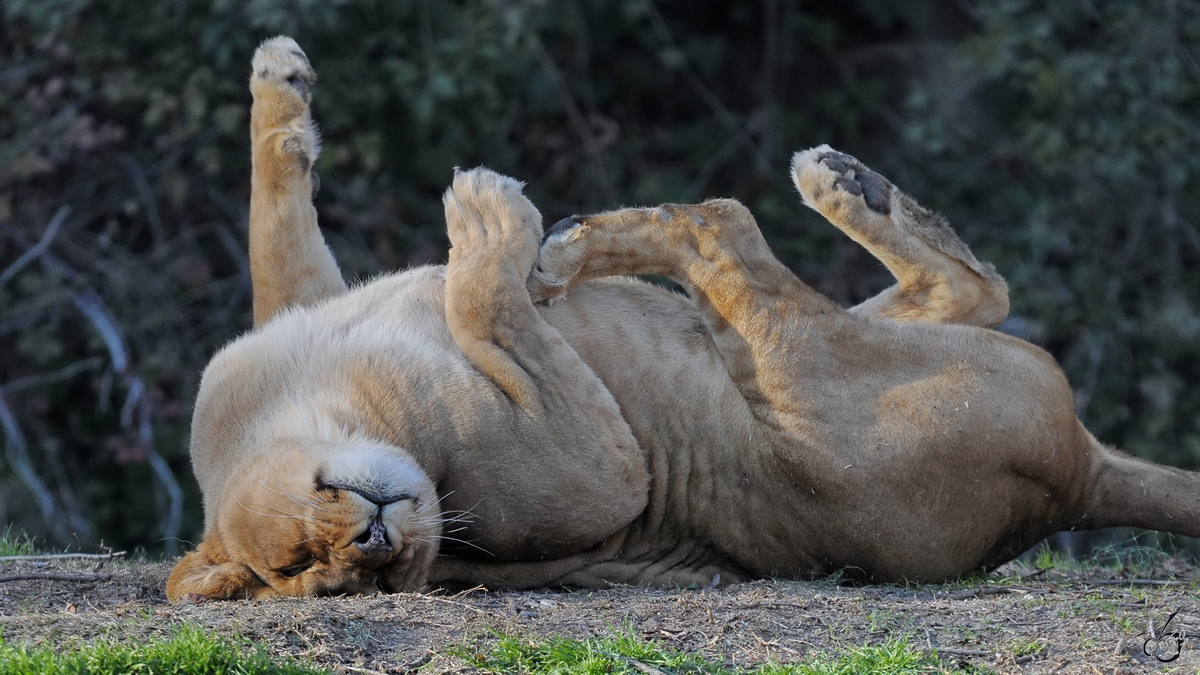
64,556
961,652
53,576
1135,582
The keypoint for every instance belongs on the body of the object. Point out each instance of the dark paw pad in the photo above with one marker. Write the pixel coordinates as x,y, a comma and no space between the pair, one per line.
877,191
848,185
300,84
841,162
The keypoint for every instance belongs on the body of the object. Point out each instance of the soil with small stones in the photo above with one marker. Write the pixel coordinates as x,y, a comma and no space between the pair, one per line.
1018,621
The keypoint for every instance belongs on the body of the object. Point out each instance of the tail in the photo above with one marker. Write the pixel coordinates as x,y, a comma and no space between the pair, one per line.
1130,492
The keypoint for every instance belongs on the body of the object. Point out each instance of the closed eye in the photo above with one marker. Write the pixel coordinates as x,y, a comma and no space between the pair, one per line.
296,570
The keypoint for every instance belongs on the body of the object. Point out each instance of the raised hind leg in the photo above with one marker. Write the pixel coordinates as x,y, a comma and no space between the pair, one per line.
290,265
939,280
760,316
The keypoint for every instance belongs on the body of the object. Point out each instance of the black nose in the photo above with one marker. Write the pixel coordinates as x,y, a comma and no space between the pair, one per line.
374,539
561,226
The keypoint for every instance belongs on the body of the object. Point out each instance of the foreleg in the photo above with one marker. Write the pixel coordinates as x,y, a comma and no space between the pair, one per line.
573,472
290,265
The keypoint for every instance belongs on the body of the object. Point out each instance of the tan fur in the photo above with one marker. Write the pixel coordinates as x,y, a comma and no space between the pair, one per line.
617,432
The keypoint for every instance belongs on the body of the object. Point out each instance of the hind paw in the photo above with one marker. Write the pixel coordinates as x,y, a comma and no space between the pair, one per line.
831,181
559,261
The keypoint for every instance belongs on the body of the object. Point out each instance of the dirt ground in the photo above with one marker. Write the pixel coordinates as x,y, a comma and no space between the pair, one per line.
1017,621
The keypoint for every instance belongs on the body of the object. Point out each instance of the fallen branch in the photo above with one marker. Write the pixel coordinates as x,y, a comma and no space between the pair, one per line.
979,592
365,671
961,652
451,602
64,556
49,576
1034,575
1136,582
774,605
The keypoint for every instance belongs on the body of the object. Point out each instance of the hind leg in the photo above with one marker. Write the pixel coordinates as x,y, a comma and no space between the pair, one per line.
939,280
290,265
754,307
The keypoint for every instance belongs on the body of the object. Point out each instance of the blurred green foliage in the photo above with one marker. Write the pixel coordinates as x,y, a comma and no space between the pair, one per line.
1060,140
1065,139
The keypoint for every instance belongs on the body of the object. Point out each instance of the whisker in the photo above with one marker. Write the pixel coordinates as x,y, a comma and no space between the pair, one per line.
461,541
459,519
301,501
428,505
297,499
282,514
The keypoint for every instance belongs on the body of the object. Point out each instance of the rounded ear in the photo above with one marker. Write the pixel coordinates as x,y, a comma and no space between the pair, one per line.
207,573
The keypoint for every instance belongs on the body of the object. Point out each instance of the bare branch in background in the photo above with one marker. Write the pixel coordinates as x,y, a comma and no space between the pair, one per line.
53,377
137,399
146,195
16,451
39,248
580,124
92,309
705,94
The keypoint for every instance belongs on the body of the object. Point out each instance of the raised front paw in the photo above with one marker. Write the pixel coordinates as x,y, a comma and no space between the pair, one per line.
280,80
280,60
488,217
833,181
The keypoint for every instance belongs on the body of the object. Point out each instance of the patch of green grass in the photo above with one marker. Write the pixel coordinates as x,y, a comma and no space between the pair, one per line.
615,655
625,654
189,651
1131,556
1026,646
16,544
891,658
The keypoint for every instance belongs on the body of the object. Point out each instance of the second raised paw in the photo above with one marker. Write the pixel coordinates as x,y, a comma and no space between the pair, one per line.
822,170
487,215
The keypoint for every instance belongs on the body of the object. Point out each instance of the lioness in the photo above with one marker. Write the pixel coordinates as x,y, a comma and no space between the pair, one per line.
521,417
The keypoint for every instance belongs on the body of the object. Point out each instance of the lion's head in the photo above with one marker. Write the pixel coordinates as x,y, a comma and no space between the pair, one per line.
311,517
